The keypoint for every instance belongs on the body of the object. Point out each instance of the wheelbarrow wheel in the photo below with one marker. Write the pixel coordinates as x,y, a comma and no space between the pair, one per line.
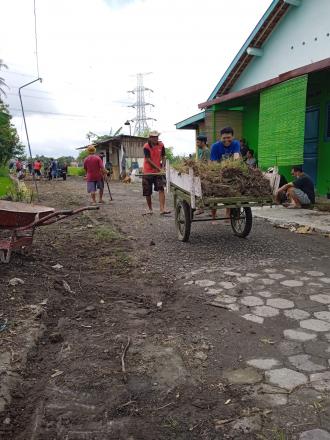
241,221
183,220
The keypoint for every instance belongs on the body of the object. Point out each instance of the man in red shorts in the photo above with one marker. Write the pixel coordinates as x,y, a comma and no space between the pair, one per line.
154,163
94,167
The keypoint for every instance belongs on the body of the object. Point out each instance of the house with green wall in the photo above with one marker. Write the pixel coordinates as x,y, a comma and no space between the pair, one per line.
276,92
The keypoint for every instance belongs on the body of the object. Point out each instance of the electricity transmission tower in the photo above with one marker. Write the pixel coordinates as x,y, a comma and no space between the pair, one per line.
141,124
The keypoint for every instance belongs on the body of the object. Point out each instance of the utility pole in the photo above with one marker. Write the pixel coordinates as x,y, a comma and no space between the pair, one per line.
141,124
26,130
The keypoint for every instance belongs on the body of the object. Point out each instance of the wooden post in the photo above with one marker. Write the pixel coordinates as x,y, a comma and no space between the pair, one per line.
192,189
168,176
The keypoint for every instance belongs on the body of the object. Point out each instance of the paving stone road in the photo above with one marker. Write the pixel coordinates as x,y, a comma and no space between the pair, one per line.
286,291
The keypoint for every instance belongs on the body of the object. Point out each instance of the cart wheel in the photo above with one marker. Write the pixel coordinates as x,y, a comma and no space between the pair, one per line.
5,255
183,220
241,221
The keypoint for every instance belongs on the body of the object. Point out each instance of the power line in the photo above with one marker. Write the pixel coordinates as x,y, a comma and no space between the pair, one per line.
48,113
33,96
36,35
32,90
65,115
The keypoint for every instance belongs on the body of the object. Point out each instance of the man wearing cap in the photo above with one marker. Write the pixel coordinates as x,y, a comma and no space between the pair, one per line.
95,172
154,163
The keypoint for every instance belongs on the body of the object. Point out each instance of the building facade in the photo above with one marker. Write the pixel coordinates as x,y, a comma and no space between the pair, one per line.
123,152
276,92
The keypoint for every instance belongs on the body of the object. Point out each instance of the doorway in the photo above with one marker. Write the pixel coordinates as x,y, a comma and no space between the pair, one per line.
311,142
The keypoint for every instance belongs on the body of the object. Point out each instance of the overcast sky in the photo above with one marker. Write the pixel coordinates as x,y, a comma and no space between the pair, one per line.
90,50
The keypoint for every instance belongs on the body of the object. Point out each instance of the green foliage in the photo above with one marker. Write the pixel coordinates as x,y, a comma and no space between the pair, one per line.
20,193
10,145
76,171
95,138
106,233
65,159
4,171
144,133
171,157
5,185
82,156
2,81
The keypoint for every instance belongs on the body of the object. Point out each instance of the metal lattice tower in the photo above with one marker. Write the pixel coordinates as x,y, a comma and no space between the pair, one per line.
141,124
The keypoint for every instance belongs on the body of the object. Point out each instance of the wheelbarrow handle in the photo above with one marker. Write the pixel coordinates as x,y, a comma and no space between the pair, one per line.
55,217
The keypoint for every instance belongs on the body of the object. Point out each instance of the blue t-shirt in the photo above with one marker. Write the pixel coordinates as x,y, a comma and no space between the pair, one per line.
219,151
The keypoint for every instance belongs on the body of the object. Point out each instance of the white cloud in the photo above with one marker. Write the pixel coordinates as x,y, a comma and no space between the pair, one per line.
89,50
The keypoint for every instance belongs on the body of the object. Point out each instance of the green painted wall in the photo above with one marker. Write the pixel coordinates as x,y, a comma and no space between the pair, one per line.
319,95
251,123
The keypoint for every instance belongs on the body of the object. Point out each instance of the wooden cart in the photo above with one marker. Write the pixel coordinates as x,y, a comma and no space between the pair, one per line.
187,193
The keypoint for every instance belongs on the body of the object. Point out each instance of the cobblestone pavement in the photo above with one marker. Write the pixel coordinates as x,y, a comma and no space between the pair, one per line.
283,287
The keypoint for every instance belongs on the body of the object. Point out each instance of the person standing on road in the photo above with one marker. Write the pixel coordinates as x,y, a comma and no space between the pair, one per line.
64,170
203,149
37,168
53,168
154,163
95,174
300,192
18,165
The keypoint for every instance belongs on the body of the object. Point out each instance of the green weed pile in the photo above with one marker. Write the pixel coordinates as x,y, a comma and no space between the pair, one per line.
229,178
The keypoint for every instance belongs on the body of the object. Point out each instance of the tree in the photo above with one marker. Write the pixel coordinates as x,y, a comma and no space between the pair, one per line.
65,159
171,157
90,135
2,81
96,138
10,145
145,133
82,156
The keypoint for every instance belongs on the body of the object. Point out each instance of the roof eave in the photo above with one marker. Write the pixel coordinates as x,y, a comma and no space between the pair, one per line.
188,122
257,88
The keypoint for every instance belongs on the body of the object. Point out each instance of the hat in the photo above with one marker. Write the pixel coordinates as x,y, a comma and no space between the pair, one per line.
154,133
91,149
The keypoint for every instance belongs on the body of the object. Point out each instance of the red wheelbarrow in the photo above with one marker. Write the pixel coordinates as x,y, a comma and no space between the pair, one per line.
22,219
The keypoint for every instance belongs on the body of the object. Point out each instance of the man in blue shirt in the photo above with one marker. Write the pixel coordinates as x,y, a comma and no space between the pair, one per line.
227,147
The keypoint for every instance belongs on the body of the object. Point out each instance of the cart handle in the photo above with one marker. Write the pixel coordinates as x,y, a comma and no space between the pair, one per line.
150,174
55,217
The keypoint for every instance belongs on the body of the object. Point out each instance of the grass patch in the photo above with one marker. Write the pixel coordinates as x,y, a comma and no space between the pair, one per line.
106,233
5,182
5,185
76,171
119,260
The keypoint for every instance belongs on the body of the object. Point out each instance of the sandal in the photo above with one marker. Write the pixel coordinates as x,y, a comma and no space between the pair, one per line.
165,212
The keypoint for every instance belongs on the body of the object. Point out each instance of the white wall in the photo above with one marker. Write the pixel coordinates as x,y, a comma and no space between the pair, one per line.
301,24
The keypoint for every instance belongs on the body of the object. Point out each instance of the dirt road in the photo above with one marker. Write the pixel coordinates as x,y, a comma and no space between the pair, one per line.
119,331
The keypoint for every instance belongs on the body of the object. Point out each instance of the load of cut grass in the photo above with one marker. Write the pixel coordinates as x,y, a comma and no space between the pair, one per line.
229,178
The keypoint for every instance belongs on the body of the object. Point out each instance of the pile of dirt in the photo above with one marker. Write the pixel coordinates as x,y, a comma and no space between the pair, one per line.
229,178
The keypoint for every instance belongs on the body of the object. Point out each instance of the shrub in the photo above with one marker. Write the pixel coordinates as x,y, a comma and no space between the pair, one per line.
76,171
